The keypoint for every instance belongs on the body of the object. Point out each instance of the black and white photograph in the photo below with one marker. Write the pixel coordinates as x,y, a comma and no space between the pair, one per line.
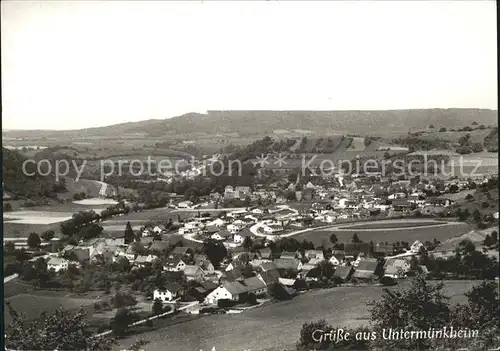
250,175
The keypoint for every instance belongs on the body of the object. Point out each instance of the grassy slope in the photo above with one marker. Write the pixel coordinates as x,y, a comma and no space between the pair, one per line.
276,327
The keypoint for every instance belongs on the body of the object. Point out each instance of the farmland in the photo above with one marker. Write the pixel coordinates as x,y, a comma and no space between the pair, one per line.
276,327
440,232
391,225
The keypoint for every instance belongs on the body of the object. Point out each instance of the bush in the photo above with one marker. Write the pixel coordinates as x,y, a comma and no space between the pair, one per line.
442,129
121,300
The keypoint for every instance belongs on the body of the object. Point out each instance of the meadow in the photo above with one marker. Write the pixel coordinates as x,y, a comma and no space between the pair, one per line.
277,326
440,232
391,225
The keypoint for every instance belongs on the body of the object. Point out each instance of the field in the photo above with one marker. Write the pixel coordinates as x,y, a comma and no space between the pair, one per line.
34,305
391,225
322,237
36,217
276,327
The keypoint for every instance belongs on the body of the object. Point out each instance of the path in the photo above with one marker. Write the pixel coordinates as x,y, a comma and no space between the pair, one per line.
10,277
151,318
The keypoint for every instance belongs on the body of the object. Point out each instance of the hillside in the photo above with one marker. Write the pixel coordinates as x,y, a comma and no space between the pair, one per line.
266,122
16,182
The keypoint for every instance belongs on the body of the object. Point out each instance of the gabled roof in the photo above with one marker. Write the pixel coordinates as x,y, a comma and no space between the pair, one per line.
180,250
55,261
172,261
288,254
224,233
287,263
208,285
393,265
343,272
191,270
173,287
245,232
80,254
268,266
270,277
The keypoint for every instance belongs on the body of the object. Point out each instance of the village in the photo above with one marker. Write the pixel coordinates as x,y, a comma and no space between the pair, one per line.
212,259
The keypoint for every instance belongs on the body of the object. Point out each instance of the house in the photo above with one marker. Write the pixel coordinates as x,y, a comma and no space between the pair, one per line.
265,254
204,263
257,211
185,204
237,290
273,229
402,205
143,261
336,260
158,229
170,293
383,249
267,266
228,190
114,239
57,264
242,191
80,255
121,251
219,222
286,254
343,273
436,201
366,269
222,235
239,238
316,254
174,264
417,246
158,246
356,248
233,229
182,252
288,264
396,268
193,272
270,277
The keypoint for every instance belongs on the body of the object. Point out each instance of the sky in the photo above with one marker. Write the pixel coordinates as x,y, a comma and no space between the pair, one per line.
70,65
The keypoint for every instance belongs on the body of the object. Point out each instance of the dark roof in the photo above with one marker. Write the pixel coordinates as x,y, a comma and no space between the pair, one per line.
393,265
181,250
208,285
287,254
400,202
343,272
245,232
224,233
367,265
270,277
80,255
287,263
268,266
173,287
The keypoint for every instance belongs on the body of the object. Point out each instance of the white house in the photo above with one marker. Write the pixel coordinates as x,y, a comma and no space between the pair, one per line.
193,272
221,293
416,246
273,229
142,261
335,261
185,204
314,254
57,264
174,265
217,223
257,211
168,294
233,229
221,235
